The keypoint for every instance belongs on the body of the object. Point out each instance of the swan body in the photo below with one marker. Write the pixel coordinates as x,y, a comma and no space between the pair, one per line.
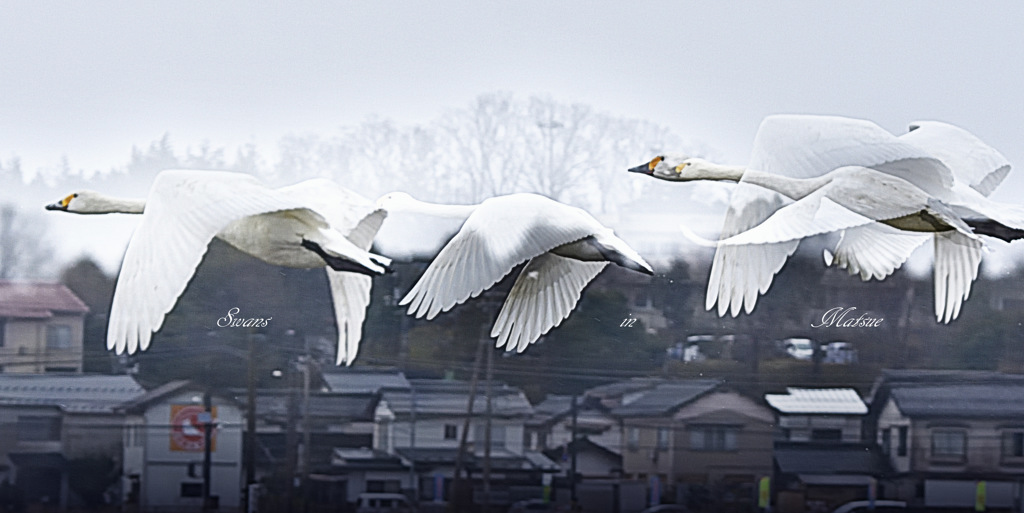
563,247
886,195
307,225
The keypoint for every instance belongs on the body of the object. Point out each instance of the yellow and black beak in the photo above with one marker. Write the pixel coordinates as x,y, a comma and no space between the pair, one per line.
648,168
60,205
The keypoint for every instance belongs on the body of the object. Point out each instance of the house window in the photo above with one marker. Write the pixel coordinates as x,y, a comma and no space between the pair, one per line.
58,336
497,436
191,489
633,438
663,436
451,431
901,441
886,441
949,444
826,435
713,438
37,428
1013,445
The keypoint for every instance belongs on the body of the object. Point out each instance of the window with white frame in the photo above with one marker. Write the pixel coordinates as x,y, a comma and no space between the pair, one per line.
633,438
58,336
451,432
1013,445
713,437
663,438
949,444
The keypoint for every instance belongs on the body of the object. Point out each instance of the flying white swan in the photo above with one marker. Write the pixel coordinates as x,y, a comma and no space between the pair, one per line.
311,224
564,247
817,174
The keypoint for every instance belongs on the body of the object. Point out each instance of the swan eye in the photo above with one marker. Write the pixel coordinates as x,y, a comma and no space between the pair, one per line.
679,168
654,163
67,200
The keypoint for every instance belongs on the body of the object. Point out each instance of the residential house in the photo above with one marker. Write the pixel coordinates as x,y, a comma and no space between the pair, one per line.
819,415
820,458
425,423
551,425
41,328
697,439
164,445
945,432
52,427
336,422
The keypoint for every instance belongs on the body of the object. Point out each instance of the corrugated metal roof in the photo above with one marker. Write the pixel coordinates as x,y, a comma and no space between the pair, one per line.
993,400
666,397
38,300
835,401
73,393
444,397
352,381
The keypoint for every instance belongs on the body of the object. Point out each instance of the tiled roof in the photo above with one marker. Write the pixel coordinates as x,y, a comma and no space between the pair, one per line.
72,393
989,400
356,380
836,401
38,300
666,397
444,397
336,407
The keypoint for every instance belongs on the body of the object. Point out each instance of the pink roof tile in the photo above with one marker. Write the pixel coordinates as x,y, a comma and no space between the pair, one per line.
38,300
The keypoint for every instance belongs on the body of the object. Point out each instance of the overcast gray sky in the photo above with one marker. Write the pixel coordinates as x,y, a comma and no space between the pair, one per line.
87,80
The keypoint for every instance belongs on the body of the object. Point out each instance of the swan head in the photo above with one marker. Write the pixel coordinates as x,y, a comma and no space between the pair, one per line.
91,202
674,167
78,202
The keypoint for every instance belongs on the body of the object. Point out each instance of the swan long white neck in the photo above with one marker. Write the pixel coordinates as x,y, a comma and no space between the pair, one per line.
108,205
794,188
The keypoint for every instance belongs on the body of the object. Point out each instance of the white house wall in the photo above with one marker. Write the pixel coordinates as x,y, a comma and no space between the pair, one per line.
165,470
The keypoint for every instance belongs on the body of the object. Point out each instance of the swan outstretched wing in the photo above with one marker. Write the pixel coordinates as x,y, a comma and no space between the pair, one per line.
544,295
350,294
500,234
874,250
184,211
740,273
972,162
814,215
957,258
358,219
808,146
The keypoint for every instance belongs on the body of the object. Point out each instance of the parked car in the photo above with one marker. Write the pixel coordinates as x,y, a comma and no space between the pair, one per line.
384,503
800,348
865,506
839,352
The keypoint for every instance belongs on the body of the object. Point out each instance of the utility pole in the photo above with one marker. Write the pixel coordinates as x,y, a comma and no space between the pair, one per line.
572,459
250,423
460,456
413,477
487,431
207,421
